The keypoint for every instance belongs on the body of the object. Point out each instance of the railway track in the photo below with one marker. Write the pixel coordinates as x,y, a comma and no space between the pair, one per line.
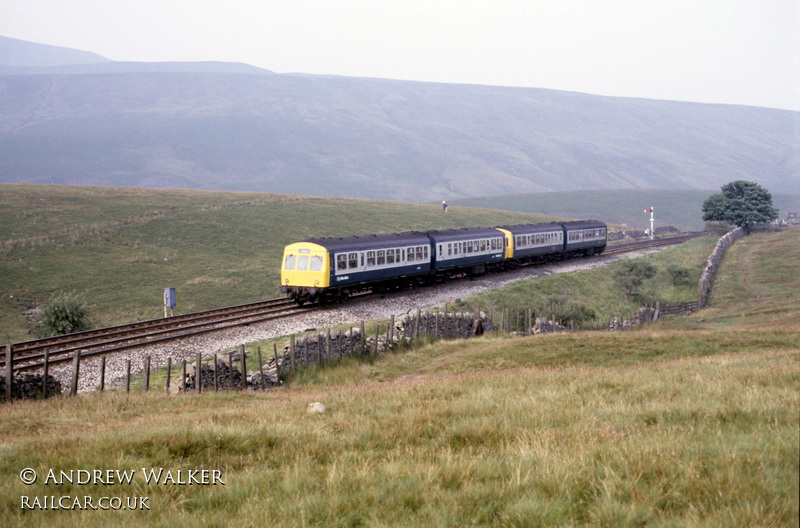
29,355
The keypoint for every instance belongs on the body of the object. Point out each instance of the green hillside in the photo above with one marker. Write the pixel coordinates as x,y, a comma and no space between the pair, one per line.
678,208
121,247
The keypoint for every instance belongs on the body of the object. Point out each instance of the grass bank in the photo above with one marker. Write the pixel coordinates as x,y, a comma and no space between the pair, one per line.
684,423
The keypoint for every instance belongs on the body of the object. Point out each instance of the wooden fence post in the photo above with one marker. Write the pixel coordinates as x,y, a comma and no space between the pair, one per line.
9,368
102,374
216,373
261,368
363,336
230,372
328,346
183,376
146,379
76,367
128,376
198,376
292,354
169,374
277,365
44,374
244,369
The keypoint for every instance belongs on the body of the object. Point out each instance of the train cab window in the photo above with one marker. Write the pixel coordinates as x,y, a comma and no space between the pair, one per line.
290,262
352,260
370,259
381,257
316,263
302,263
341,261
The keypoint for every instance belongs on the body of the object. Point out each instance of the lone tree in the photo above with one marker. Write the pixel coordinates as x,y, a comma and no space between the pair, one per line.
741,203
630,274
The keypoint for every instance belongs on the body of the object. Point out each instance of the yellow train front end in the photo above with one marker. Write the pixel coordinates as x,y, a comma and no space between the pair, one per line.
305,271
509,238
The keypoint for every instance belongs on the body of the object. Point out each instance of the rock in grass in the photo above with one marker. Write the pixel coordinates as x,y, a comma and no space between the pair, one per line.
315,408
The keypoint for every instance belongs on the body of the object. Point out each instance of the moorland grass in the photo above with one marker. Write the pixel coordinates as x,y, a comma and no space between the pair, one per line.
121,247
705,441
676,424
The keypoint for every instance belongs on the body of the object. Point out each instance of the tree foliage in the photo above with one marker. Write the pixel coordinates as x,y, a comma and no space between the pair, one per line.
741,203
678,273
628,275
563,307
66,313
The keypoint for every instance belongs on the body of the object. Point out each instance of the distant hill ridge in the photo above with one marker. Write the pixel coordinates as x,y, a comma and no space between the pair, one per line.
73,117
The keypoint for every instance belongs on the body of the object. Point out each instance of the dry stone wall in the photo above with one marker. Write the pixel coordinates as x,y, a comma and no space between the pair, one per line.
704,285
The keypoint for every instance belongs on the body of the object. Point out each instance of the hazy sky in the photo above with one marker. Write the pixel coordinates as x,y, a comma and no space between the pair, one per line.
716,51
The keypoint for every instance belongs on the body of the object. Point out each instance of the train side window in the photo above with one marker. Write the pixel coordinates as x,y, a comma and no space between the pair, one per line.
370,258
381,257
302,263
316,263
390,256
410,255
352,260
419,253
341,261
449,249
290,262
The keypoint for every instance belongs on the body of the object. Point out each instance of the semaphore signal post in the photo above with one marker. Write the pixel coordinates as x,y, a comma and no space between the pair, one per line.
652,221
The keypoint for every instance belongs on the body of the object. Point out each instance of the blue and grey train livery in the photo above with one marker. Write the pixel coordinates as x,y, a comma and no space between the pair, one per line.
331,269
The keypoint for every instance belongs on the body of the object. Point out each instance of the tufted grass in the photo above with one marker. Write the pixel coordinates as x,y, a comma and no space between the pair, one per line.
684,423
703,440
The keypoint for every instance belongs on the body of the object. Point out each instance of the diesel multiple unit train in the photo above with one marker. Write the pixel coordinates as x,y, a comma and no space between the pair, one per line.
332,269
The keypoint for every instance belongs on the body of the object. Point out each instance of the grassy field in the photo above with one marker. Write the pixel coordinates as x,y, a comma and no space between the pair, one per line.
121,247
692,421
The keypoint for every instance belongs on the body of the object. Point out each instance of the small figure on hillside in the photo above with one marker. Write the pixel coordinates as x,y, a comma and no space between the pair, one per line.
444,205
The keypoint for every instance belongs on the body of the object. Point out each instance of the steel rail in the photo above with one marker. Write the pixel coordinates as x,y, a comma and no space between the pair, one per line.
137,332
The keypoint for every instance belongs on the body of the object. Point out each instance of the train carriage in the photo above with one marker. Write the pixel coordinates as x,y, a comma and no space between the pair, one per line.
334,268
585,237
533,242
470,249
